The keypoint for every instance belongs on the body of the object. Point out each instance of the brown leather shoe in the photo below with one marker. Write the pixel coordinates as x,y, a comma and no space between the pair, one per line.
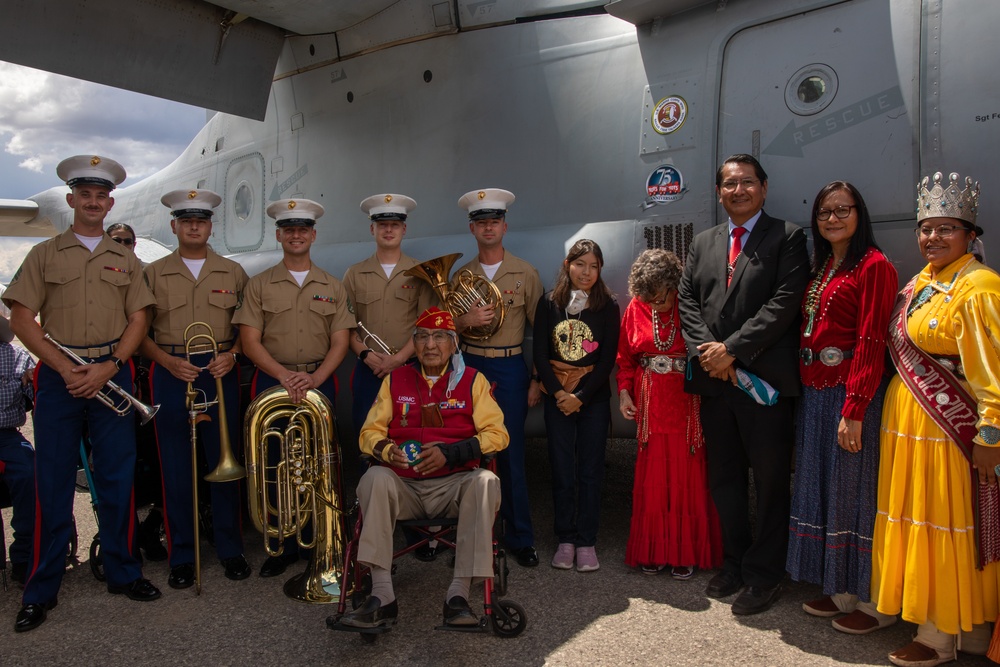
860,623
916,654
823,607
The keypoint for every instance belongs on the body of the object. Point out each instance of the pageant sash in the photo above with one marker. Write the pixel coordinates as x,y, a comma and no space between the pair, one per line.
954,410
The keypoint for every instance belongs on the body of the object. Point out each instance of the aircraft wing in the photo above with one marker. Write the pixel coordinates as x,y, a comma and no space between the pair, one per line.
223,56
18,218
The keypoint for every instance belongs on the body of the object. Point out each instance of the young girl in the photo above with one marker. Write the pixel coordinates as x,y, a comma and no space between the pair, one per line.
576,338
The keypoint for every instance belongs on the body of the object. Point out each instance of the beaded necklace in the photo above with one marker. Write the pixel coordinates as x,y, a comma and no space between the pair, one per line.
661,345
816,288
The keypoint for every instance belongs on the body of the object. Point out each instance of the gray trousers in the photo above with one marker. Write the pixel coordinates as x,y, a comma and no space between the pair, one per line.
473,496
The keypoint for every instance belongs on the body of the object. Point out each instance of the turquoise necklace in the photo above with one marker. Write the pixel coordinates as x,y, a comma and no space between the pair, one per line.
819,284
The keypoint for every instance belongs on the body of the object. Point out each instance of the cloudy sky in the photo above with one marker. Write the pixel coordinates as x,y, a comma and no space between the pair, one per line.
47,117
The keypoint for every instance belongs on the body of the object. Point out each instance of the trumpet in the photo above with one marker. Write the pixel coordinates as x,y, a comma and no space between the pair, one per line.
111,390
470,291
305,486
228,469
379,346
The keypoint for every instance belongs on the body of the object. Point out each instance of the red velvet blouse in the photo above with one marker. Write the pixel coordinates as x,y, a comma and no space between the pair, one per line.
853,314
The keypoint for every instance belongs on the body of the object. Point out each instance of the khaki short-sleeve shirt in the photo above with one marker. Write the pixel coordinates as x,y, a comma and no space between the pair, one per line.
520,288
181,300
83,298
295,322
388,307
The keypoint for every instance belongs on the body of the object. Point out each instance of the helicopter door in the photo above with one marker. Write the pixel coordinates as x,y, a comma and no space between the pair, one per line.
244,203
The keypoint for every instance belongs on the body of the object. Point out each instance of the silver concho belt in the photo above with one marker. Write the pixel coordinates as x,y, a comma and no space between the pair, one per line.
663,364
828,356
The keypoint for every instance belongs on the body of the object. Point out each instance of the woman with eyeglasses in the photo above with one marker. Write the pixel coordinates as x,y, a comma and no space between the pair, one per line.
576,337
674,523
845,314
937,533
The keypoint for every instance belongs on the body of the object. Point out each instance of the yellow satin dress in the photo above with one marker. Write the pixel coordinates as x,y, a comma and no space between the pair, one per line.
924,552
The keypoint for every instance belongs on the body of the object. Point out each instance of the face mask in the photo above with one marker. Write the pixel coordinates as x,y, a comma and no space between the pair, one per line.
577,302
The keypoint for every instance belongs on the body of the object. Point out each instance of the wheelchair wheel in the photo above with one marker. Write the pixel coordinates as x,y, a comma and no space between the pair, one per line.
96,559
500,572
509,619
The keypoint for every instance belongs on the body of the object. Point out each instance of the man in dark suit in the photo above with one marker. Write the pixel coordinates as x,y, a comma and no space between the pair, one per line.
739,304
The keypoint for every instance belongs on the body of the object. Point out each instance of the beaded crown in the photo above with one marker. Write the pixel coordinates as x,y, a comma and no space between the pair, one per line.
947,201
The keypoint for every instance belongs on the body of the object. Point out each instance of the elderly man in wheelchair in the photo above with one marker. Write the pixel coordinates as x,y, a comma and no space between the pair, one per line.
429,427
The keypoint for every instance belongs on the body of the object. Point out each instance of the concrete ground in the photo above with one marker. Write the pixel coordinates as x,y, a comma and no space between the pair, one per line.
615,616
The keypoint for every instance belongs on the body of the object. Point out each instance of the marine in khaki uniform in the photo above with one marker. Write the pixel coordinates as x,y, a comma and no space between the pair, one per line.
500,357
91,297
194,284
294,321
386,302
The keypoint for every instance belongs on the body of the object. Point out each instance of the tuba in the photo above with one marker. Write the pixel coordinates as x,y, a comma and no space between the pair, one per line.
305,485
470,291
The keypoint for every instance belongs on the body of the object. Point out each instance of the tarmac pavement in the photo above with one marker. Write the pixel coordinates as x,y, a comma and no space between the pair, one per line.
615,616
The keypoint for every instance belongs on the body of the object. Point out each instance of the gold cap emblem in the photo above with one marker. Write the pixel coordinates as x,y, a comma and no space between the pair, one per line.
438,321
291,205
481,195
388,198
94,161
192,194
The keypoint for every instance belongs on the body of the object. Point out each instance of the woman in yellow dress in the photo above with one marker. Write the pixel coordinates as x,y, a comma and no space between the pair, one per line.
940,438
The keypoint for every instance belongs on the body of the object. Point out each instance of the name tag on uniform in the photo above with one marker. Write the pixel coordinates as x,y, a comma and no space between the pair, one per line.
326,299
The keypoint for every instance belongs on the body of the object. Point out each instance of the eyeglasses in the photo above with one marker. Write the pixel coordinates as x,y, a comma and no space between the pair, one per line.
942,231
123,241
841,212
438,337
747,183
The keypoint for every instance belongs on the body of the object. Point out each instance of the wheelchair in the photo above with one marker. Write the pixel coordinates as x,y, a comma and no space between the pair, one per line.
505,618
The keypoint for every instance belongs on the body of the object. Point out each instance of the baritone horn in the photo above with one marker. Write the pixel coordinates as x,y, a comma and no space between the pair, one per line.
303,485
202,341
111,390
470,291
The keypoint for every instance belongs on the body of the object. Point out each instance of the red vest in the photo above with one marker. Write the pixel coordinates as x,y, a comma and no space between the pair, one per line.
408,391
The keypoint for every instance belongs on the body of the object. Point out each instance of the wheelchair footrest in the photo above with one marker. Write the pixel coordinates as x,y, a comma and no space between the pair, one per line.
483,626
340,627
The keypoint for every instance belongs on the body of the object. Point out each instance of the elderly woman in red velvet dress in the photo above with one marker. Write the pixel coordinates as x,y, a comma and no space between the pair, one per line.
674,523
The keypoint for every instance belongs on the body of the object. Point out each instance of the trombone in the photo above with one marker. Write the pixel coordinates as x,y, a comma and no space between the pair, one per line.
228,469
111,390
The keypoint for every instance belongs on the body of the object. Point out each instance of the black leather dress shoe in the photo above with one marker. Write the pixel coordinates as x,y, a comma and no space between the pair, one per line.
755,599
237,567
526,556
458,612
140,590
181,576
31,616
371,614
275,565
723,585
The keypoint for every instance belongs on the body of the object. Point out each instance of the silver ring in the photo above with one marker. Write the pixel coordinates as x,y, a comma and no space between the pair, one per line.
854,442
996,470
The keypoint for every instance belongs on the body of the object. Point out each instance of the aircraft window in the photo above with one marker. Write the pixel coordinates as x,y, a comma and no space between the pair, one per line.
243,201
811,89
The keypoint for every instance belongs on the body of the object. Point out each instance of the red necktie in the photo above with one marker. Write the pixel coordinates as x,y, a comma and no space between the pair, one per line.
734,253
